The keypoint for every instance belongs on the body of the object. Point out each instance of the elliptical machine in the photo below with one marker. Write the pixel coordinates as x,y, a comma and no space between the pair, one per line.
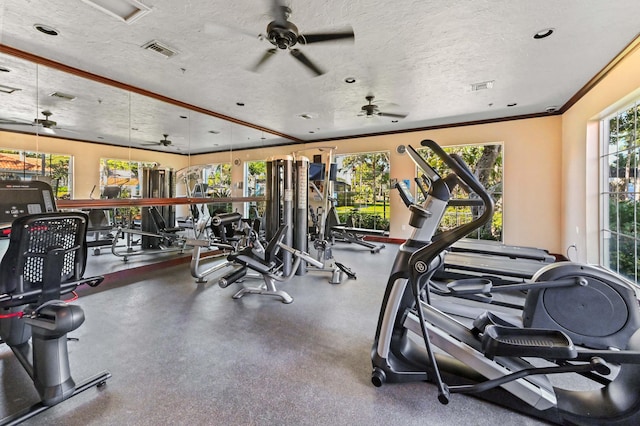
567,304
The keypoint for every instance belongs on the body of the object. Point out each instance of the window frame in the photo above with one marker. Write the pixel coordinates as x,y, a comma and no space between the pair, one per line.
617,193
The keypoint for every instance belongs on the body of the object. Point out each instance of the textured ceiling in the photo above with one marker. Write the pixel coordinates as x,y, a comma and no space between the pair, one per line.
418,58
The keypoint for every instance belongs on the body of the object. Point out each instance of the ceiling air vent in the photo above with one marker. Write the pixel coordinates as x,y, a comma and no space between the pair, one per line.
483,85
61,95
162,49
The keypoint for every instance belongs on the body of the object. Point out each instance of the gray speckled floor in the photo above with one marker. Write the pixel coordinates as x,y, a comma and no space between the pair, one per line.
182,353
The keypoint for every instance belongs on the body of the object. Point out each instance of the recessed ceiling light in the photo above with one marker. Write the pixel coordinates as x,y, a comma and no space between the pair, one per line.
394,121
311,131
124,10
306,116
483,85
46,30
349,80
240,103
61,95
543,33
551,109
512,105
214,132
4,69
184,117
8,89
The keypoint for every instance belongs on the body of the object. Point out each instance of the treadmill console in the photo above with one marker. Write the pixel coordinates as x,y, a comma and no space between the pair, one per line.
19,198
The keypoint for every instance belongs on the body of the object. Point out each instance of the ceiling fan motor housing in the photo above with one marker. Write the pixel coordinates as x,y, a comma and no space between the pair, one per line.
282,36
370,109
45,122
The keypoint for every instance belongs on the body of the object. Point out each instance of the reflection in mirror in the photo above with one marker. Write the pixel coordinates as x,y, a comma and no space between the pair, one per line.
90,108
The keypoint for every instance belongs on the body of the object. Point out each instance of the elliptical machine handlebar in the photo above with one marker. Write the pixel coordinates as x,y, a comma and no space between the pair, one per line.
420,262
458,166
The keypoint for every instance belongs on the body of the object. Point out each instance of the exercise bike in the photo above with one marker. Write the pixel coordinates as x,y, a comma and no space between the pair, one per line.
576,319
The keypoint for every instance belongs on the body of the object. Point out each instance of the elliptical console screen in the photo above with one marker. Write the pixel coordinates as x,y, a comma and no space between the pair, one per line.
19,198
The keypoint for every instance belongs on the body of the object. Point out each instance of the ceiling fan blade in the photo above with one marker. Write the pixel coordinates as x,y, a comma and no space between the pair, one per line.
319,37
66,130
279,12
268,54
388,114
15,122
306,62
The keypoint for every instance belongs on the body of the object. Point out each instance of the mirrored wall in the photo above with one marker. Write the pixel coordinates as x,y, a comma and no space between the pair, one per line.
58,110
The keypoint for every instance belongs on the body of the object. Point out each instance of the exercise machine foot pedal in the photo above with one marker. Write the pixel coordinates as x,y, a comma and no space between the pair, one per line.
470,286
488,318
346,270
526,342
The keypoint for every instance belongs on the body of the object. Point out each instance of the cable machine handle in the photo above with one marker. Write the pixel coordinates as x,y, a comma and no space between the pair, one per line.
421,187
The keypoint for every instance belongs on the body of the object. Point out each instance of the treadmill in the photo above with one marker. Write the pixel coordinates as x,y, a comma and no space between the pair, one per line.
503,264
496,248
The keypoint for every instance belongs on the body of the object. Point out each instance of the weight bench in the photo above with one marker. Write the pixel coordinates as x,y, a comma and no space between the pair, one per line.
45,260
269,266
168,232
348,234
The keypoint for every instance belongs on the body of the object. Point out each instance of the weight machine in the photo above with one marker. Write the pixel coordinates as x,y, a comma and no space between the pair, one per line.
231,233
158,233
288,204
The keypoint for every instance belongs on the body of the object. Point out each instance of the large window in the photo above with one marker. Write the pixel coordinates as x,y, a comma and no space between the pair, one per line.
54,169
217,184
486,163
361,190
218,180
619,193
120,178
255,181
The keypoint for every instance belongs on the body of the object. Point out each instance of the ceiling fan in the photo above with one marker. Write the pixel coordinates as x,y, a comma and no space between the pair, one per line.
284,35
163,142
46,124
370,109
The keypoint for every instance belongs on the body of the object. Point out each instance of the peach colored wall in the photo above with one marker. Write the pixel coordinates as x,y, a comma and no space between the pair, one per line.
532,161
580,151
532,152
